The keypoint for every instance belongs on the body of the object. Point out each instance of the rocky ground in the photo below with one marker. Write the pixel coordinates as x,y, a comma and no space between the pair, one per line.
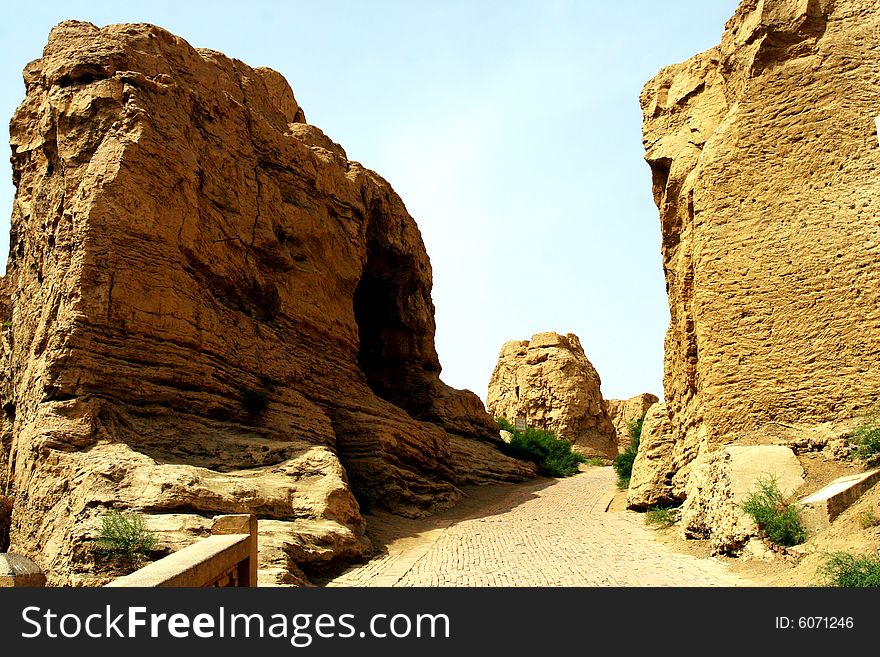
845,535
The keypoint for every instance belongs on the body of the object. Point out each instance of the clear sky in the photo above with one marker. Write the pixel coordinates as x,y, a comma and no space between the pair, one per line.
511,130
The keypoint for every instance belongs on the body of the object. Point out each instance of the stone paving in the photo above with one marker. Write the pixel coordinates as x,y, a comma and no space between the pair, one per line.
548,532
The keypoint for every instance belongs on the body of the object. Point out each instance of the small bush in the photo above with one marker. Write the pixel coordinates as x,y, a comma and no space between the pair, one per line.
505,425
623,462
866,439
843,569
779,520
595,460
661,516
553,455
867,519
124,539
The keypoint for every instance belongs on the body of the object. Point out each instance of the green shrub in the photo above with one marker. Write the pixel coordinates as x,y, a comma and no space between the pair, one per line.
124,539
505,425
867,519
623,462
553,455
843,569
662,516
779,520
866,439
595,460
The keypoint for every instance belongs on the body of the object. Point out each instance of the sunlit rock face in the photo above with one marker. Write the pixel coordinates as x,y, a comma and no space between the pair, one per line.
764,156
209,309
550,382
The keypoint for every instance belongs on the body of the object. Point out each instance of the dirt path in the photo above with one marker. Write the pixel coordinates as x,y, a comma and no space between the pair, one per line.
546,532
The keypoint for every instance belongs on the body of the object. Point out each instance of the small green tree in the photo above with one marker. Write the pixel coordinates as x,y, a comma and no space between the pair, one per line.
124,539
623,462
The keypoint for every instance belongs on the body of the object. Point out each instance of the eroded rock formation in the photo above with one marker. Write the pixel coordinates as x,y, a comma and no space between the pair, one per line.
208,308
722,480
655,466
549,381
765,157
623,411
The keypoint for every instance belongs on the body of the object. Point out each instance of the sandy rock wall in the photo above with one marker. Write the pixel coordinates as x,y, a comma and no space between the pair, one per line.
764,155
623,411
549,381
208,308
722,480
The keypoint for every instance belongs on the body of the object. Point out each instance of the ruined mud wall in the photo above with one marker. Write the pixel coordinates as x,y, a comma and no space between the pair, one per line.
766,172
550,382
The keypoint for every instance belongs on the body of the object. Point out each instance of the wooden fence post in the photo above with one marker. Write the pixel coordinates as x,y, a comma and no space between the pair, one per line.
241,524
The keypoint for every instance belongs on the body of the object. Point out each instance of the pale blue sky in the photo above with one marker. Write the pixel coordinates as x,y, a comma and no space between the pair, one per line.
511,130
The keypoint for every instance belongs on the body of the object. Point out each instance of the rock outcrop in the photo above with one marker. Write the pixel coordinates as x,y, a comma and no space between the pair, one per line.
722,480
623,411
764,156
655,466
209,309
549,381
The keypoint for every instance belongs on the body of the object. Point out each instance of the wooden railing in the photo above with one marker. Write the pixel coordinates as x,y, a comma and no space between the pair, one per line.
226,558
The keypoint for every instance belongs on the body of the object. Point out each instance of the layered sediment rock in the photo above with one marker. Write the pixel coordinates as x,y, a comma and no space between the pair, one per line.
622,412
764,157
549,381
208,308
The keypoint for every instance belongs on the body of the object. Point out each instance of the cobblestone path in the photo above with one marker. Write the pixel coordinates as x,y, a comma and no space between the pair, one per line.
547,532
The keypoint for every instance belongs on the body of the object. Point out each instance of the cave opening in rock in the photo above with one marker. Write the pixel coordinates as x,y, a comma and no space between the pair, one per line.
396,341
660,169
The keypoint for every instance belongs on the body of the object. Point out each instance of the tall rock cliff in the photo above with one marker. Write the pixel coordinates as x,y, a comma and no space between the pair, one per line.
766,172
208,308
549,381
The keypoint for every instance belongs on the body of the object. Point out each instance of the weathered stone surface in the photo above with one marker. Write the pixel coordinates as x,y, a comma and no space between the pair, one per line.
623,411
709,511
209,309
654,466
549,381
764,157
719,483
750,463
830,439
